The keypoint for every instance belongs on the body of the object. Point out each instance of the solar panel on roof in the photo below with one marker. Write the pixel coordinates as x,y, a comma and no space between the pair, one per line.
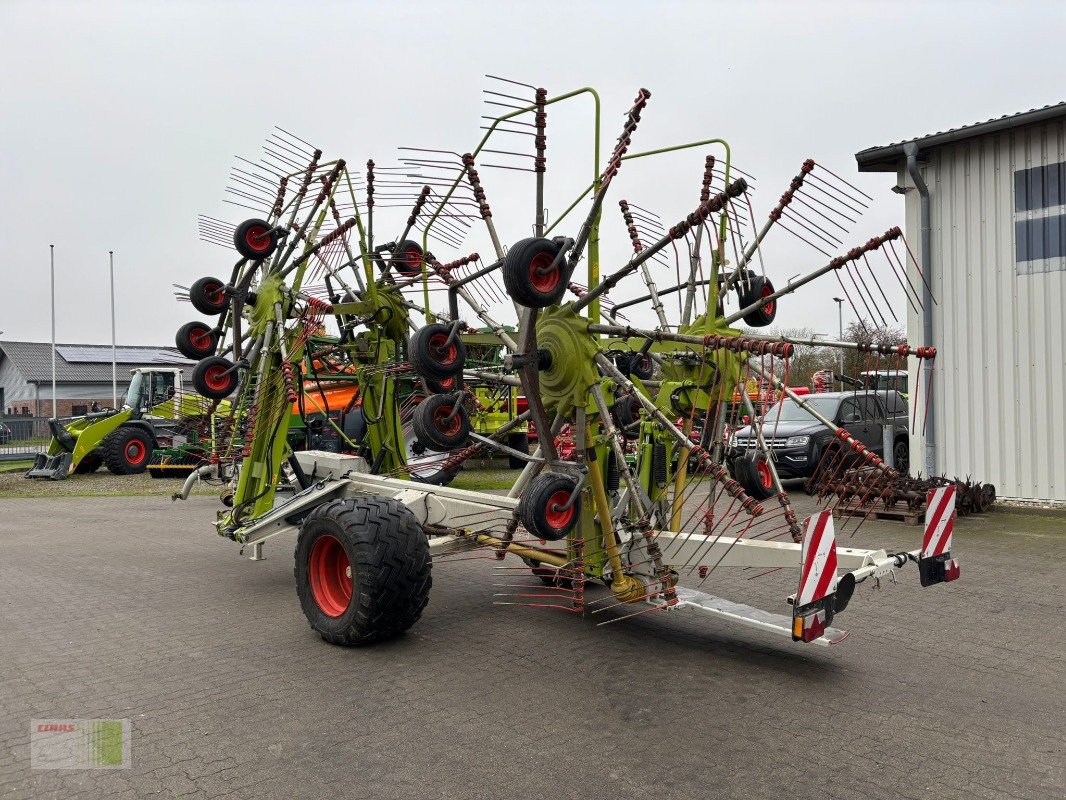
78,355
171,357
101,354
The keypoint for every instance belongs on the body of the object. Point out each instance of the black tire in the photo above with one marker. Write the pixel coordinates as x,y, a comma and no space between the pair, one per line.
641,366
536,508
407,259
92,461
196,340
626,412
212,377
635,365
128,450
444,386
901,456
519,442
752,471
429,356
363,570
432,428
521,278
758,287
254,239
208,296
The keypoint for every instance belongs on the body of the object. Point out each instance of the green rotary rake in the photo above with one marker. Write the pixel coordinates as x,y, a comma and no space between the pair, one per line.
644,501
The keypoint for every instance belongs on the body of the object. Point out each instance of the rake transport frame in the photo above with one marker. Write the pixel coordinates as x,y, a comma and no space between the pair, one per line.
622,527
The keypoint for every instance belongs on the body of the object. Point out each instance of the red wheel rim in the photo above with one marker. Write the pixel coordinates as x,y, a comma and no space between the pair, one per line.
447,383
200,339
214,293
768,290
449,427
330,575
558,520
135,451
443,353
257,238
543,282
411,260
762,469
217,377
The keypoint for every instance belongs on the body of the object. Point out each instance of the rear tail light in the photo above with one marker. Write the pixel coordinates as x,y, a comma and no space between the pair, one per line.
808,626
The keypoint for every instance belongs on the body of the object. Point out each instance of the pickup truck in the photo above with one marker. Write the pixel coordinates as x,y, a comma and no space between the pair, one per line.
796,439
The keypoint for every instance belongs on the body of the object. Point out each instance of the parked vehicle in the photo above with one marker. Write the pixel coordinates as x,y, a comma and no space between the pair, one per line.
885,380
796,440
122,439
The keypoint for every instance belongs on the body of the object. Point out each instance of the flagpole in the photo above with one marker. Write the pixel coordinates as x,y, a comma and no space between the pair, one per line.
114,368
52,259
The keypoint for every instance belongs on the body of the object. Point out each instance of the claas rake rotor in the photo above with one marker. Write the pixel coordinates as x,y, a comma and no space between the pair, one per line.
645,499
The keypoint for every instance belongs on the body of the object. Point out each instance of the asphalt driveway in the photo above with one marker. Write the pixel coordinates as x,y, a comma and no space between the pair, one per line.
130,607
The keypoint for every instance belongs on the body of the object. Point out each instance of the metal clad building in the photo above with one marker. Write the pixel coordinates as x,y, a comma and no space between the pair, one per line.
997,253
83,374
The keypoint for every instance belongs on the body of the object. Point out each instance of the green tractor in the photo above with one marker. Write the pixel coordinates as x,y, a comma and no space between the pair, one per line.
122,439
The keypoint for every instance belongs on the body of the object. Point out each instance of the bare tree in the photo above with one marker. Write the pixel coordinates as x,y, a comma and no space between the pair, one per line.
806,359
866,332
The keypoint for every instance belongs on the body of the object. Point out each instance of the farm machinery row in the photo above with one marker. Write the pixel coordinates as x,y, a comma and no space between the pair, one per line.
169,431
623,509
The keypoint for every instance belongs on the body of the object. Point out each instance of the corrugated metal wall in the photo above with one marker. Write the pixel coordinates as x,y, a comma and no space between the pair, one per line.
1000,375
15,386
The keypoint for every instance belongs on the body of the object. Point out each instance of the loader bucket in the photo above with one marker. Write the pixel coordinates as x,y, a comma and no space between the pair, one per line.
52,468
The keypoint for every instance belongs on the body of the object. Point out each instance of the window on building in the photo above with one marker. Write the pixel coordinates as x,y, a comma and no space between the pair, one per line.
79,410
1040,219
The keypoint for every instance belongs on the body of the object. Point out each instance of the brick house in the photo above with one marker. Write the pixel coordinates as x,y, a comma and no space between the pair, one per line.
83,375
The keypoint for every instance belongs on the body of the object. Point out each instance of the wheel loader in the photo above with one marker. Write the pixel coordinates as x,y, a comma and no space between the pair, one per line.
120,439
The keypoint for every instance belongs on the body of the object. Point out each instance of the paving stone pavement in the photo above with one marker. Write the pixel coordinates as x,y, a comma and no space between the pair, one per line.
132,608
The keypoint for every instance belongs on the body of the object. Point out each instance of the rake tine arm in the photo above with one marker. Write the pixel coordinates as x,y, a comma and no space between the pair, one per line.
632,119
283,254
775,215
835,264
483,205
862,347
653,292
540,141
702,212
370,204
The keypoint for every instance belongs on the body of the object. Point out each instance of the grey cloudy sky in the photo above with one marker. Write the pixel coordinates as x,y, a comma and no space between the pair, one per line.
119,121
